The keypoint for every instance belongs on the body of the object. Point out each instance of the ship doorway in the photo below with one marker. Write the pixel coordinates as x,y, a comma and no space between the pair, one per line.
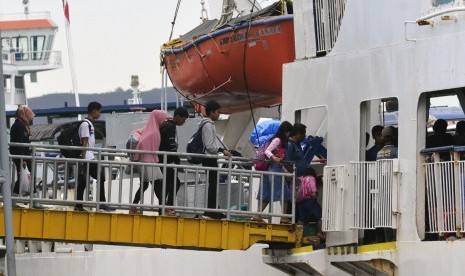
376,115
441,165
378,142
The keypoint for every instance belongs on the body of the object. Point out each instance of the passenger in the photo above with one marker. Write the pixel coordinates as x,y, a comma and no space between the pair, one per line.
294,152
209,138
87,135
307,207
149,141
373,151
459,137
440,137
389,150
169,143
20,132
276,152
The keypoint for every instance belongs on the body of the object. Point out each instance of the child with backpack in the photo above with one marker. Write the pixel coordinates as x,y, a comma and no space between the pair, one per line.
307,207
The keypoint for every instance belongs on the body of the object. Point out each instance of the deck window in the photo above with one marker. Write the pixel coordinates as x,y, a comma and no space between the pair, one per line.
441,2
6,44
21,47
37,46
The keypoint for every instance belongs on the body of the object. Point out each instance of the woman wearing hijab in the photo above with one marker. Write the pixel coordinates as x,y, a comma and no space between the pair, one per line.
149,141
20,132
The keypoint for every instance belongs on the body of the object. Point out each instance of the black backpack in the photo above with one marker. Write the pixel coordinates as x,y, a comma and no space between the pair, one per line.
69,136
195,145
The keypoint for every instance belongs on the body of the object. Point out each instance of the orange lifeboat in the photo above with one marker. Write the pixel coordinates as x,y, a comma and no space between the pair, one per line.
239,65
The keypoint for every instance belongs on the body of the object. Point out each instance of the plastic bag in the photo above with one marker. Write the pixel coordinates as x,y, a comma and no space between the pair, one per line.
152,173
132,143
24,181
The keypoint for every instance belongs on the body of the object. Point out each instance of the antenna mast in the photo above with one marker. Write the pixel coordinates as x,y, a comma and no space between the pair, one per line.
203,12
136,99
26,7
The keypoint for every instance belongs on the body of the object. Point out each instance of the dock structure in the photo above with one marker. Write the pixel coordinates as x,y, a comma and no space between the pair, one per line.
146,230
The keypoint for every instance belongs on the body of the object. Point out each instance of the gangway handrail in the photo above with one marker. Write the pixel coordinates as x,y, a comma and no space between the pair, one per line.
227,173
110,151
236,232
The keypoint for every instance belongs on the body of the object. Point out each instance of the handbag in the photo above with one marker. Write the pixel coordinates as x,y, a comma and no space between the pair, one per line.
152,173
24,181
260,162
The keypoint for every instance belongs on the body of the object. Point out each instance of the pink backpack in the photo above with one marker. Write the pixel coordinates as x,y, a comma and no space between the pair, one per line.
305,187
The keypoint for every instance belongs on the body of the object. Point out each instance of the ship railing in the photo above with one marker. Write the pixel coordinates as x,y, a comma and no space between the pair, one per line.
32,58
22,16
333,197
445,189
15,96
236,186
328,18
375,187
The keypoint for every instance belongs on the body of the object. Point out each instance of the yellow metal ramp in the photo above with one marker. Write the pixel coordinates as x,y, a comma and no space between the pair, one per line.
149,231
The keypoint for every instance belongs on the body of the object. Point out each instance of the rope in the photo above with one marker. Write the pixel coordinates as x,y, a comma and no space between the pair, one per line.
246,84
174,19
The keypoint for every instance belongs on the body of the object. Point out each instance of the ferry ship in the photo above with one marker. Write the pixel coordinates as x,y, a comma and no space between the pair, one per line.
354,60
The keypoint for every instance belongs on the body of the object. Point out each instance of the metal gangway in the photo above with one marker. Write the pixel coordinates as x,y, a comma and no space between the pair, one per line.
54,180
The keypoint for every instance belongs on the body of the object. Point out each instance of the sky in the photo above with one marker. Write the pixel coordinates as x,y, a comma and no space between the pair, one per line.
111,40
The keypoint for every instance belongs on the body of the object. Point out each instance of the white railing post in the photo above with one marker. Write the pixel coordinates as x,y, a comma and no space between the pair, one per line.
384,181
395,192
375,193
458,191
365,194
430,197
333,198
438,190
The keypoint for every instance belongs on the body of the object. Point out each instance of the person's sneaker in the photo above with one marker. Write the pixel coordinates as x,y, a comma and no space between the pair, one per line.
37,205
107,208
214,215
79,208
134,211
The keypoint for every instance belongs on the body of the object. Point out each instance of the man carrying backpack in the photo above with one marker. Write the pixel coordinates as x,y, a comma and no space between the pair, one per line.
87,135
212,110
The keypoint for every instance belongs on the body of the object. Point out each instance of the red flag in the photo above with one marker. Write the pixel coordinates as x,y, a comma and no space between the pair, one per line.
66,10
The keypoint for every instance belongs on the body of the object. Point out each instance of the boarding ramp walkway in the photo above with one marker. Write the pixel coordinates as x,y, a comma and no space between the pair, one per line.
237,188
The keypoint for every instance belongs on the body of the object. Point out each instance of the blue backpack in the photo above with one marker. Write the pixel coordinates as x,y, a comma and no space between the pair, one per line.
195,145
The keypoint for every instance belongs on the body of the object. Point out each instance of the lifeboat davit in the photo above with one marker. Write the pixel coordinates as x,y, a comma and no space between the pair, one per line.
237,64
